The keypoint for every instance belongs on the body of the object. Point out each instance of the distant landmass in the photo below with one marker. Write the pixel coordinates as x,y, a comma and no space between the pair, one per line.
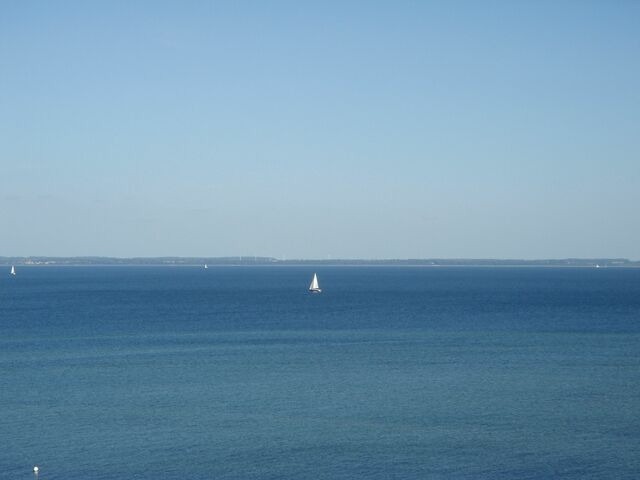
418,262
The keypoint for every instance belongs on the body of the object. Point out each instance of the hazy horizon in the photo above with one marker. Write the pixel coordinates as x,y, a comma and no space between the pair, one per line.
287,130
250,258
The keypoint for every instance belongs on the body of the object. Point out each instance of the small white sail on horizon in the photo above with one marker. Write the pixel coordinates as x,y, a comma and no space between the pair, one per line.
13,270
314,287
205,266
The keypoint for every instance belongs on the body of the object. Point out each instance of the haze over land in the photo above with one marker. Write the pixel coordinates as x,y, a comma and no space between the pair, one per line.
270,261
327,130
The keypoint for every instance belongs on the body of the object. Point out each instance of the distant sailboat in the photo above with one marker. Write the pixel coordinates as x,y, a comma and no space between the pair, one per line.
13,270
205,266
314,287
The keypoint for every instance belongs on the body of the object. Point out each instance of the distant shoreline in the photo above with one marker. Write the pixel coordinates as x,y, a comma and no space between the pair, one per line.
270,261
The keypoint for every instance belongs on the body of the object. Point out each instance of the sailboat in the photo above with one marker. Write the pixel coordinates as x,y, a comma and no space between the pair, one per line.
314,287
13,270
205,266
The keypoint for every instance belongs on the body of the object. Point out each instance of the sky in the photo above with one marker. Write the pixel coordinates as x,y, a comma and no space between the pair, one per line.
409,129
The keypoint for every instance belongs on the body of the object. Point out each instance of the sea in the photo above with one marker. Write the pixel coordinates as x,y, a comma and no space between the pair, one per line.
405,373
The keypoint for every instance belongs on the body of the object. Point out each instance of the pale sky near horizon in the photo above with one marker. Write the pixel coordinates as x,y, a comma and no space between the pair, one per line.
493,129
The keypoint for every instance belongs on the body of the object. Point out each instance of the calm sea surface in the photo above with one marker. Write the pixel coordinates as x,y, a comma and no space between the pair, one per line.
390,373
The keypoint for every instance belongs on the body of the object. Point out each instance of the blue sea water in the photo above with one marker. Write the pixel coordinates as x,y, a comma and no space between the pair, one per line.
390,373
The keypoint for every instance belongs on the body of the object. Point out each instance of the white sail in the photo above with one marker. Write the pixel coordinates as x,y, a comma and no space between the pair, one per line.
13,270
314,287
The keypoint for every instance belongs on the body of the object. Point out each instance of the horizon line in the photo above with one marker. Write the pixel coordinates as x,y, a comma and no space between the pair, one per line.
254,259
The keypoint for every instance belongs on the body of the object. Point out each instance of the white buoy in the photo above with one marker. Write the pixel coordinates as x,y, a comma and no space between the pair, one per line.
36,469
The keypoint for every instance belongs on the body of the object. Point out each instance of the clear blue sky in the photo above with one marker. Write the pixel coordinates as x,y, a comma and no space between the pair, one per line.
344,129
